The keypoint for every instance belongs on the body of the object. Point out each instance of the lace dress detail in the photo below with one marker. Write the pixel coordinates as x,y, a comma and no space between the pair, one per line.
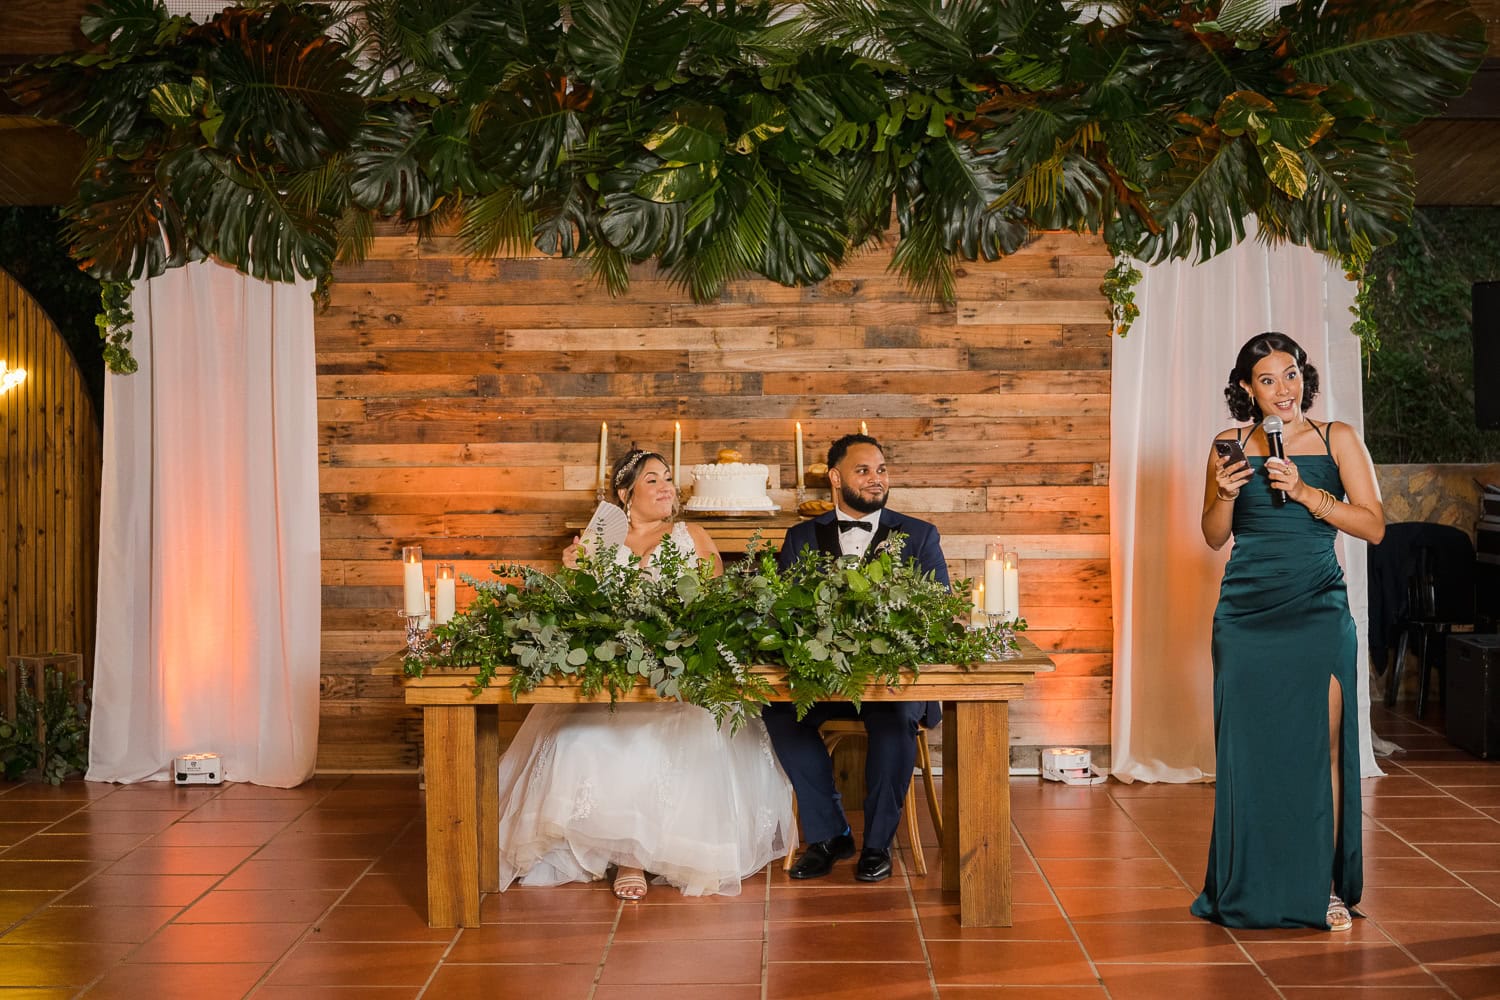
653,786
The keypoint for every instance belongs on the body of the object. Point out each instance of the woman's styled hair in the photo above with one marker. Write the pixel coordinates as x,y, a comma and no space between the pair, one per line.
1241,403
627,470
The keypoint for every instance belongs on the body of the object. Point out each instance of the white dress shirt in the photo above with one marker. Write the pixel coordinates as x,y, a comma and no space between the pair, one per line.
855,542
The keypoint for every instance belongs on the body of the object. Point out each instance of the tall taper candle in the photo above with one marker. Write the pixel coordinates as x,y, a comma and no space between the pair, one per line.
447,595
676,451
413,593
994,578
799,455
603,455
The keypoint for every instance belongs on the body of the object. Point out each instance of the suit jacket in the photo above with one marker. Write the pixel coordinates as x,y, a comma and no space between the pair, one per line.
921,544
822,533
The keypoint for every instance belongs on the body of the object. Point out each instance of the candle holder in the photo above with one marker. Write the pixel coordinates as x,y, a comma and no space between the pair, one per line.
1004,638
416,632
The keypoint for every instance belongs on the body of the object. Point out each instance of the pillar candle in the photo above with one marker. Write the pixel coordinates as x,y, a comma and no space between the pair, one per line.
676,449
976,599
426,620
411,582
800,479
863,429
447,594
603,455
994,579
1012,575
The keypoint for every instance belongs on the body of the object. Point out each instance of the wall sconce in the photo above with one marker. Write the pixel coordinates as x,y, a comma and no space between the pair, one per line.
10,378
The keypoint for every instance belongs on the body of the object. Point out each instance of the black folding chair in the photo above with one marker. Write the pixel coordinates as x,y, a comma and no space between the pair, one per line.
1439,600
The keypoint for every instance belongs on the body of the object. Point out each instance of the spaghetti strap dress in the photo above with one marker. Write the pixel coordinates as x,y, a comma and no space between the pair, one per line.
658,786
1282,628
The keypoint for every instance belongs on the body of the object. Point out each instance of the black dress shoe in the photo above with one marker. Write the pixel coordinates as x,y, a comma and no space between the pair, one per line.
817,860
874,865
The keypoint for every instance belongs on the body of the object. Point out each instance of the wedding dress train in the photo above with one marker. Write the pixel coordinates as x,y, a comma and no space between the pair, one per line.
655,786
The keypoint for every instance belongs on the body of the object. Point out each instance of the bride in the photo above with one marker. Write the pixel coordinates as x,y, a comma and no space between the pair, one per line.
646,787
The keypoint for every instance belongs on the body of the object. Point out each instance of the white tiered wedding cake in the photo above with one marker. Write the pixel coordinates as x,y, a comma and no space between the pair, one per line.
731,486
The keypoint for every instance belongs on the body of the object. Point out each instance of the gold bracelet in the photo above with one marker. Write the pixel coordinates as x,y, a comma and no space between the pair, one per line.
1227,497
1325,507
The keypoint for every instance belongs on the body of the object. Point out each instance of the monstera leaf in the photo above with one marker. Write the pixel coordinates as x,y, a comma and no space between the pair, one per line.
386,174
123,226
1200,204
285,89
1408,57
233,210
526,131
125,25
1356,190
625,45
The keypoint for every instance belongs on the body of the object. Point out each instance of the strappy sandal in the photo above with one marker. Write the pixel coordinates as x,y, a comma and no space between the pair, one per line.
1338,915
630,884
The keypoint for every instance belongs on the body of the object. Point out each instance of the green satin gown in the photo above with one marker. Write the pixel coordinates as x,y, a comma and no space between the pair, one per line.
1281,629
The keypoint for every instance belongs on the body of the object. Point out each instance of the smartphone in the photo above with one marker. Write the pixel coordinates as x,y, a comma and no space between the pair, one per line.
1231,451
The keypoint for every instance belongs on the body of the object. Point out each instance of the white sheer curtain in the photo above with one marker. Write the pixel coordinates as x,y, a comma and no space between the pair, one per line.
209,590
1168,403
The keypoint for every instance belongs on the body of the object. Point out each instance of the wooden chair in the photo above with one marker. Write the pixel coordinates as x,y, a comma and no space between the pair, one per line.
836,731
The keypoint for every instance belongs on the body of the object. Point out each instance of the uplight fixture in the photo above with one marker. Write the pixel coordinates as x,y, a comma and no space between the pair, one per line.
10,378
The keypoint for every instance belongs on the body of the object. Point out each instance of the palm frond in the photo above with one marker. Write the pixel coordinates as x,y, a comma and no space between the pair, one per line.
496,223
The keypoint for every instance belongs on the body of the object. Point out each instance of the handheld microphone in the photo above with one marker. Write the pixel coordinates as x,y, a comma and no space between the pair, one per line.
1272,426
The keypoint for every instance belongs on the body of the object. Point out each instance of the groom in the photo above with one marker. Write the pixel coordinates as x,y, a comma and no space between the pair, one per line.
858,524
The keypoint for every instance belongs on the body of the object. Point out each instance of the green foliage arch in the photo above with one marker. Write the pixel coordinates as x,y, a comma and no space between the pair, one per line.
724,139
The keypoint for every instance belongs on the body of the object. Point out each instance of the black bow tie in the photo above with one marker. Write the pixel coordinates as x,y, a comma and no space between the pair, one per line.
855,525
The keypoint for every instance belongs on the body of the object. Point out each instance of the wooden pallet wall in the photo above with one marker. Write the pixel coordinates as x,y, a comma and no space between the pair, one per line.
49,490
460,403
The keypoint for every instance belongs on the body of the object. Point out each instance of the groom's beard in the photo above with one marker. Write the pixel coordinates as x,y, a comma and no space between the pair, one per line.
853,501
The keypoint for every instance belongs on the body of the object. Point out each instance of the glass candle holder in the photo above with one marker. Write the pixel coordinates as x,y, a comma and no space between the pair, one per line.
994,577
413,589
446,590
1010,572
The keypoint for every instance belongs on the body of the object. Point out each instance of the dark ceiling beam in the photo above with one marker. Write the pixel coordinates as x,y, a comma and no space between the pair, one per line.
31,29
39,164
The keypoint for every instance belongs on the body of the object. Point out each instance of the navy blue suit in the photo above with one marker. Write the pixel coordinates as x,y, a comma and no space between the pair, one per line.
890,725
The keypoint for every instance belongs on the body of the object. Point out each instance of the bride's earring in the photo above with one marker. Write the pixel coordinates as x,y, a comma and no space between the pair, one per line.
627,513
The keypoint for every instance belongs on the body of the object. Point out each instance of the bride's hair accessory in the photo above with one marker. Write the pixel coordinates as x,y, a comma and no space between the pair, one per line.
635,457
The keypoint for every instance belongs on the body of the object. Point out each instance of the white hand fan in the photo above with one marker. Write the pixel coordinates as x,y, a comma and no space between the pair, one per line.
608,526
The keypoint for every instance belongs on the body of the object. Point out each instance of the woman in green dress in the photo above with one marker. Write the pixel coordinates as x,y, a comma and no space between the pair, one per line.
1285,850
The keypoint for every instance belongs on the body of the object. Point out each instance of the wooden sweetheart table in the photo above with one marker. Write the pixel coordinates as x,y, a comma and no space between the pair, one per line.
461,736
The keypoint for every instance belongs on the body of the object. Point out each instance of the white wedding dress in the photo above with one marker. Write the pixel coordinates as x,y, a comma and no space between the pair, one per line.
657,786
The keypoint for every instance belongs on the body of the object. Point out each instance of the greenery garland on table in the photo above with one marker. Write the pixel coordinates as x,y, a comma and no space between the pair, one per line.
722,139
834,625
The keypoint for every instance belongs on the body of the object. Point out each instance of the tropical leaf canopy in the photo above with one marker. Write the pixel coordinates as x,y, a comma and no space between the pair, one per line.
723,139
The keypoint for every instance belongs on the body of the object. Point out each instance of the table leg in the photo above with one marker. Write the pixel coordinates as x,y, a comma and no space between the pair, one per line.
984,877
448,733
487,760
950,796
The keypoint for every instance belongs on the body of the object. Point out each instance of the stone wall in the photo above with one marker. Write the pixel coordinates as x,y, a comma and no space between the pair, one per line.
1441,494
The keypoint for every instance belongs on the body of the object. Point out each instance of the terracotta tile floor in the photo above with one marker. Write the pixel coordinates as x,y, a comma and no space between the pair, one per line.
156,892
